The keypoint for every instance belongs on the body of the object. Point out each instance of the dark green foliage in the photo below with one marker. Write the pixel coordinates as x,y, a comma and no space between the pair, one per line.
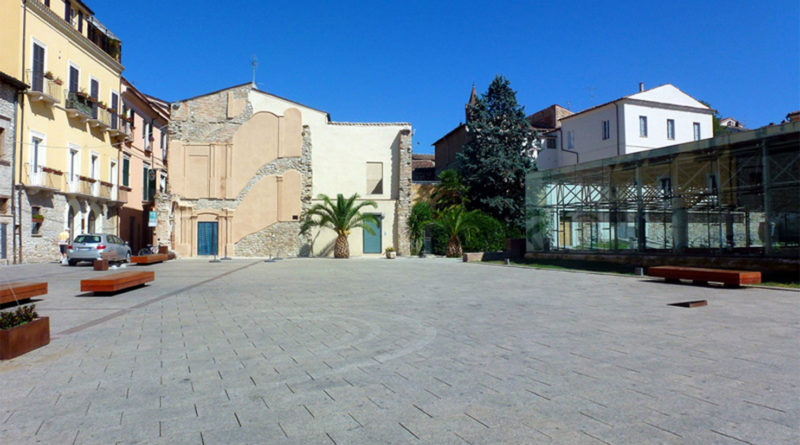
420,218
499,154
23,314
490,235
451,190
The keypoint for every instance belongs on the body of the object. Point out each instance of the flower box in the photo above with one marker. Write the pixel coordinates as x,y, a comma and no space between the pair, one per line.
49,75
87,179
126,188
58,81
52,170
37,218
24,338
107,184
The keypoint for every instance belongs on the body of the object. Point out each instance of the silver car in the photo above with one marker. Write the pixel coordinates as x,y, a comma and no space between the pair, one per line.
96,246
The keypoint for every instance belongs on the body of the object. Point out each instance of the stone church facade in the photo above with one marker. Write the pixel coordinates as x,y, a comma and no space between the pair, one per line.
244,166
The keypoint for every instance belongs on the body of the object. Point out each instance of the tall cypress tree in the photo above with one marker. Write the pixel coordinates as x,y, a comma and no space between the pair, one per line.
499,154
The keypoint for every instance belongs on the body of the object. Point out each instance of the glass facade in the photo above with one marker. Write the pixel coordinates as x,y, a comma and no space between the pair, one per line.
732,195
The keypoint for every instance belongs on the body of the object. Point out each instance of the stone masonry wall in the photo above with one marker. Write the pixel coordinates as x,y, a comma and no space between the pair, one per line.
403,205
7,124
205,118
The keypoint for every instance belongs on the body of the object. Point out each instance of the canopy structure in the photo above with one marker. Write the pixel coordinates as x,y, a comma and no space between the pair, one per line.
737,194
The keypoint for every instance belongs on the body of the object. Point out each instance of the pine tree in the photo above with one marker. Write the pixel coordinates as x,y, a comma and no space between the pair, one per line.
498,155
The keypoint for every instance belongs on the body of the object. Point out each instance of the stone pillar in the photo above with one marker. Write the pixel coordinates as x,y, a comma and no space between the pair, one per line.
403,204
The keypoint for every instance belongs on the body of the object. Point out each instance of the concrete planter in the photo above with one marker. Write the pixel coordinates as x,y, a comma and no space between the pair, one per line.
391,255
24,338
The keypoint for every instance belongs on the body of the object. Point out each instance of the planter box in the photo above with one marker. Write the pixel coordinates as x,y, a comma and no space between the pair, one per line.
391,255
25,338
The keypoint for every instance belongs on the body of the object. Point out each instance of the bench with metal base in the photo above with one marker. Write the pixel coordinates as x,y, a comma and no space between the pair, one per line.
21,291
117,282
698,275
150,259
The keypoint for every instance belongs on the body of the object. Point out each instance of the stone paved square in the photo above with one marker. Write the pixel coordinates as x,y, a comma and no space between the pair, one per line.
403,351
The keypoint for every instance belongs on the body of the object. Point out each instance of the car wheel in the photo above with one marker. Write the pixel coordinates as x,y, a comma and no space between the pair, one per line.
72,262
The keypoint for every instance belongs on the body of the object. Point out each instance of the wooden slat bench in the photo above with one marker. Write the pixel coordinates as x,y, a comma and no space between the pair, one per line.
730,278
117,281
150,259
21,290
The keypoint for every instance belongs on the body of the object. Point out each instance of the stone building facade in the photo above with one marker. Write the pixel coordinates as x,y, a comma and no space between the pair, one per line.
245,165
9,89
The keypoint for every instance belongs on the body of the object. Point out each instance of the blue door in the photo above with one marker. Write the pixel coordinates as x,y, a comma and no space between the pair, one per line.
372,243
207,238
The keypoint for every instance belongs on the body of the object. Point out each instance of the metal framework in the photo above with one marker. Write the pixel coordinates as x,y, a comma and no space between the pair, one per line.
732,195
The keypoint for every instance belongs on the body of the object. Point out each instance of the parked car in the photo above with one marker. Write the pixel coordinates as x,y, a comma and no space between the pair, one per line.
95,246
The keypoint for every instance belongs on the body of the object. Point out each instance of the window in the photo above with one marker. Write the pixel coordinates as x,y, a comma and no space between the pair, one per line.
670,129
643,126
570,140
112,172
94,87
74,74
36,211
606,129
666,187
696,127
37,81
162,183
93,167
74,164
68,12
551,143
114,105
80,22
126,169
148,183
36,160
374,178
47,3
2,138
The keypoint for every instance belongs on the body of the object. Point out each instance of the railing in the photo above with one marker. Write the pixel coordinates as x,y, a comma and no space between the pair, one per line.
38,177
105,190
123,195
79,103
101,116
79,186
47,89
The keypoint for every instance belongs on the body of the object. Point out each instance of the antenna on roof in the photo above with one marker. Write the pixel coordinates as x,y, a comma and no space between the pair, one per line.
254,64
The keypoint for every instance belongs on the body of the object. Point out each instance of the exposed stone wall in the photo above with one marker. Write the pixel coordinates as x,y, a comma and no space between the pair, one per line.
43,246
7,107
281,239
403,204
206,118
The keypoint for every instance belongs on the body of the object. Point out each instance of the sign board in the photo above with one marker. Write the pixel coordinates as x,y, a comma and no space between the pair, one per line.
153,219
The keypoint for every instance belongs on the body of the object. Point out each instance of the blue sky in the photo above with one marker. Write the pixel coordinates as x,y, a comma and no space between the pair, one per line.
415,61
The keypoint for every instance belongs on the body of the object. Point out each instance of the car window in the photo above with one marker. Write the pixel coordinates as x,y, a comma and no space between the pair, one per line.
87,239
115,240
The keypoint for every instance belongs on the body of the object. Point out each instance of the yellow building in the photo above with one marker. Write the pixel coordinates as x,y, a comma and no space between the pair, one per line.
66,152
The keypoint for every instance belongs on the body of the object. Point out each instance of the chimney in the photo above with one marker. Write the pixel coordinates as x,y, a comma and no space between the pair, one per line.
641,86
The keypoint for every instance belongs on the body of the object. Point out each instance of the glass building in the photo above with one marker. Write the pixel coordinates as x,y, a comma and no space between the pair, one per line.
735,195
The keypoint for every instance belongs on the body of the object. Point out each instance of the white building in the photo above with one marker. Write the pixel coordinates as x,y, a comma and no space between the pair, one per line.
654,118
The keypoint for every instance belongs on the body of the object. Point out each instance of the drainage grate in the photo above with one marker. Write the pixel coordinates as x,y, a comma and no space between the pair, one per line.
696,303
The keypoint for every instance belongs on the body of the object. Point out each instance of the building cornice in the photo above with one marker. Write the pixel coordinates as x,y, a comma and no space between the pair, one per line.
668,106
48,16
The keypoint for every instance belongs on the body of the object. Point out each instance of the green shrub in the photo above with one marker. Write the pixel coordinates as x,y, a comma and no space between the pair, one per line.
23,314
490,236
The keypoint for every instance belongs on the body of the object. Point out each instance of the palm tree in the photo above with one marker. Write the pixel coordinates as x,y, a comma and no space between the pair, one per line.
451,190
457,223
342,216
420,218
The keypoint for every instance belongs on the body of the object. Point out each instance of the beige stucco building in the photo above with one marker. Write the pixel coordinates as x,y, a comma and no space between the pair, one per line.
245,164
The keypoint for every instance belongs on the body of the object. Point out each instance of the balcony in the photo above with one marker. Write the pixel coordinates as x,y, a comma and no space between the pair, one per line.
78,106
44,87
79,185
105,190
39,177
123,194
100,118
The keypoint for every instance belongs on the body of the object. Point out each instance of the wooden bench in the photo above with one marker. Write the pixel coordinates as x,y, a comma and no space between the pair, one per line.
150,259
730,278
21,291
117,281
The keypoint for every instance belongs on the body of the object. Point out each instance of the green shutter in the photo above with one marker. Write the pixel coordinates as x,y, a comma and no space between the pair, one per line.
126,167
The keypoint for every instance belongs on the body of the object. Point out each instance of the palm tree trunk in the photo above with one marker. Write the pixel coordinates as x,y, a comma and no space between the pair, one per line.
342,249
454,248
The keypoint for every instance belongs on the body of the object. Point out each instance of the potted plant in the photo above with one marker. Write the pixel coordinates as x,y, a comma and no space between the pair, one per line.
37,218
21,331
391,253
82,93
52,170
58,81
49,75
